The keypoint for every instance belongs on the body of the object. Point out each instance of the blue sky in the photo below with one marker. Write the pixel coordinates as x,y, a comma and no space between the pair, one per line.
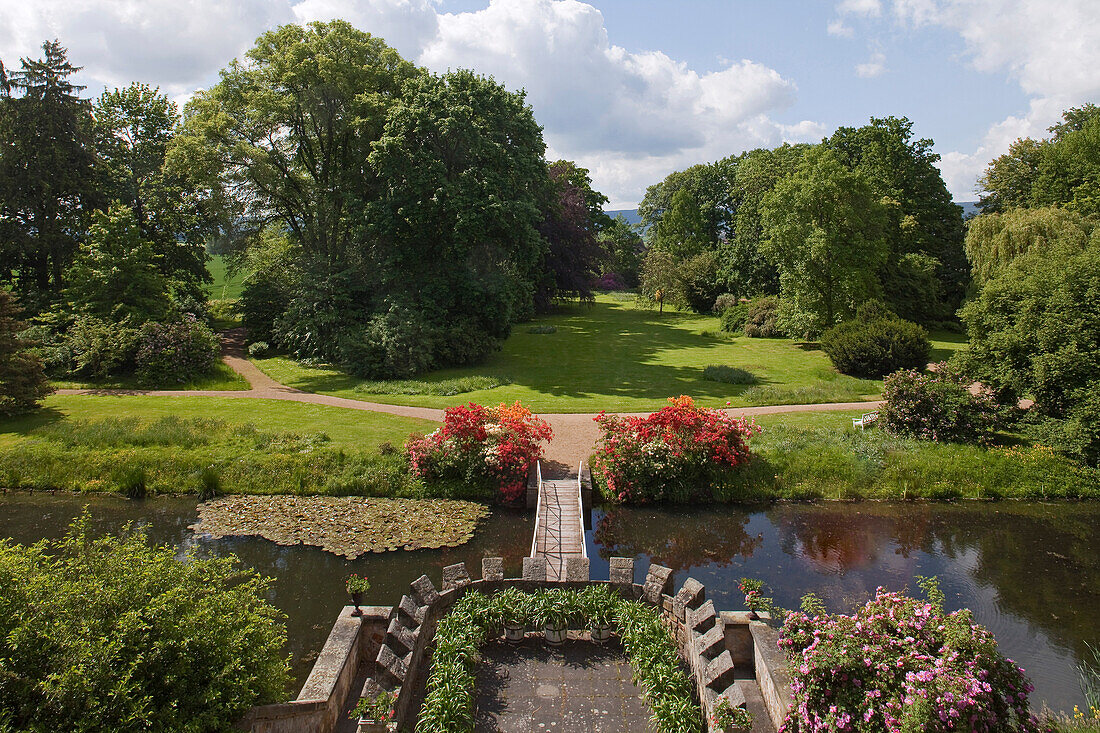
633,89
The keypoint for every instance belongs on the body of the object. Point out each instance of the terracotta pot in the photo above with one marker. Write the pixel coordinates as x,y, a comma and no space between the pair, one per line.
513,633
555,634
601,633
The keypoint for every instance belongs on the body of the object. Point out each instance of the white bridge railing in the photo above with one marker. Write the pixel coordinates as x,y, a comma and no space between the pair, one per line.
538,509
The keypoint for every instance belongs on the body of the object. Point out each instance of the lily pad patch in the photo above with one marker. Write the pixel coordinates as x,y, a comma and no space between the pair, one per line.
348,526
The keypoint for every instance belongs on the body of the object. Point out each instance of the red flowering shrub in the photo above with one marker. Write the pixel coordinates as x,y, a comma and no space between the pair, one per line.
488,449
675,454
901,665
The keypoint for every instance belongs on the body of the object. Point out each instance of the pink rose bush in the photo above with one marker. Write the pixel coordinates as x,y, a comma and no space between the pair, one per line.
672,455
898,664
485,448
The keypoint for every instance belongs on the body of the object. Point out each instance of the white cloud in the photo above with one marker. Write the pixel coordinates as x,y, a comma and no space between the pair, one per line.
167,43
860,7
1052,50
839,29
629,116
874,66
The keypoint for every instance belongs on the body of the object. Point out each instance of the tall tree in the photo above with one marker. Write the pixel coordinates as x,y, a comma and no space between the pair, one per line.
286,133
743,267
570,227
1009,179
824,231
623,250
707,188
462,163
47,181
23,382
994,241
133,128
924,229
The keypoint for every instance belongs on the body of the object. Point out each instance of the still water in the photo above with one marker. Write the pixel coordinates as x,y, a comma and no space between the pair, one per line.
1030,572
309,583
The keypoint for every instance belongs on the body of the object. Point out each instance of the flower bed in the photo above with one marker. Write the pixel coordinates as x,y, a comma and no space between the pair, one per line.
898,664
449,704
674,454
486,449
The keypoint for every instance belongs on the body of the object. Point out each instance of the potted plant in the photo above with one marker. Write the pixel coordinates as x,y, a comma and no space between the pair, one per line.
357,585
599,603
513,608
728,719
753,598
375,712
555,610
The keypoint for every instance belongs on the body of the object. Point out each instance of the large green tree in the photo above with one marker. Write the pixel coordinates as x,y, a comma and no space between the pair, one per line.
623,249
925,273
461,160
47,179
824,231
570,225
995,240
133,129
23,382
286,134
707,188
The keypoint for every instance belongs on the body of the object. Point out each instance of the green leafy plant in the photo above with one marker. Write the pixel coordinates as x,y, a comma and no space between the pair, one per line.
875,343
728,374
133,482
598,604
513,606
727,719
357,584
557,608
377,707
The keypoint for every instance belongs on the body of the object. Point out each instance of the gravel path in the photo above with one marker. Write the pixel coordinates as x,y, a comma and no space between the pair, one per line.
575,434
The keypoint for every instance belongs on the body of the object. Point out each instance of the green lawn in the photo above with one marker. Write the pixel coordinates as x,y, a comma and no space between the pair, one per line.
616,357
350,429
223,287
220,378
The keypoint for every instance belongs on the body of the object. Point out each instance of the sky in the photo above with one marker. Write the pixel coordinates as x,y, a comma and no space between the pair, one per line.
635,89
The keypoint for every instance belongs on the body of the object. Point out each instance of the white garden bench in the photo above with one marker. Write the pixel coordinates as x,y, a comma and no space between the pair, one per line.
863,421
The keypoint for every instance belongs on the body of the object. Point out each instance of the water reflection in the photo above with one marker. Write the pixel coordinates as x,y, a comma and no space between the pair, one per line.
309,583
1030,572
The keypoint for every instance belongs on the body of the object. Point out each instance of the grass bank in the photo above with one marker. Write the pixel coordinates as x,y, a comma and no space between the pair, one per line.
611,356
819,457
185,445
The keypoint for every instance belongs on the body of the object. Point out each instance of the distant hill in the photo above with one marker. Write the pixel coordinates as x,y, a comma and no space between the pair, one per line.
970,208
631,215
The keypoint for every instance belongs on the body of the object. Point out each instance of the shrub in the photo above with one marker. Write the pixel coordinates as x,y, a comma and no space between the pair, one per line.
728,375
897,664
610,281
259,349
698,280
937,406
443,387
486,448
23,381
735,317
115,634
724,302
396,345
101,349
175,352
875,344
674,454
762,318
542,329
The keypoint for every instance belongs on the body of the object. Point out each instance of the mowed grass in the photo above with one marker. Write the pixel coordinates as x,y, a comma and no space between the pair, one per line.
224,287
614,356
350,429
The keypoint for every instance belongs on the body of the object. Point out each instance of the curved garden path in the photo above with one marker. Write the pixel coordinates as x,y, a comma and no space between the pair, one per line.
575,434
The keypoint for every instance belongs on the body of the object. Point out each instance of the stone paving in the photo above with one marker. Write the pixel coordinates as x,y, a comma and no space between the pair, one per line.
577,688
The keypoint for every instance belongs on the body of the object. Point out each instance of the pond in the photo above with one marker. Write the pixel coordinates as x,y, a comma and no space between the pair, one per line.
309,583
1030,572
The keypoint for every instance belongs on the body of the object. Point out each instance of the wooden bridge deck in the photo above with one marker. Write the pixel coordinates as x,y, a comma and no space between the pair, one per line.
559,532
